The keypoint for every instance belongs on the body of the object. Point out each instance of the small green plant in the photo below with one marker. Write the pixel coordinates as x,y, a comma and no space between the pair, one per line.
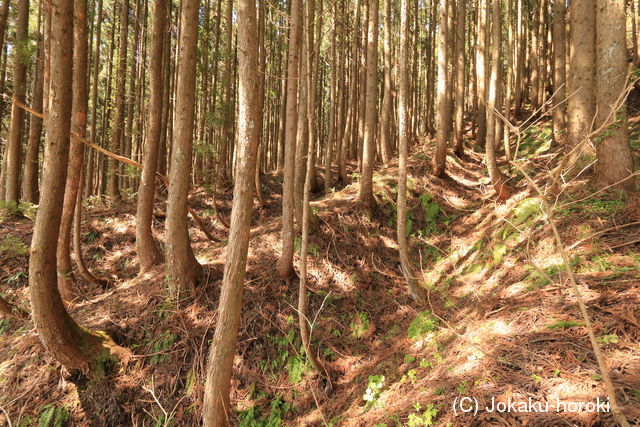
91,236
563,324
53,416
4,325
13,247
608,339
278,409
536,378
425,419
16,277
311,248
360,324
462,387
159,345
424,323
374,390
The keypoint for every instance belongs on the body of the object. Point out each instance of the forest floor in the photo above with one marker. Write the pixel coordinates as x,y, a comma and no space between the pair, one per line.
501,321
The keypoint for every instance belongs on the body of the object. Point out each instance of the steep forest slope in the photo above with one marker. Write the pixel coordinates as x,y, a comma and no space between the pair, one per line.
500,319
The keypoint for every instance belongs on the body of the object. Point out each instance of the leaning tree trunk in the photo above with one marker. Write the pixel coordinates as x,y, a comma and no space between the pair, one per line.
73,346
220,363
14,139
615,159
369,145
147,249
182,267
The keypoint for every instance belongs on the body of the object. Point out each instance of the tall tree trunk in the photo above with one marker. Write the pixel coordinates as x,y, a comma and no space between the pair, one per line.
16,125
559,70
442,113
88,190
481,72
31,163
113,187
369,145
328,176
182,267
458,133
146,246
387,102
220,363
580,109
74,347
302,139
498,180
285,263
615,160
66,280
413,288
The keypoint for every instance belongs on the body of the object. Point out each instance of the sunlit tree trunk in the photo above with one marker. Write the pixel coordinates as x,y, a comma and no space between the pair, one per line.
217,410
369,145
387,102
113,187
559,70
73,346
442,106
183,269
147,249
285,263
458,132
615,160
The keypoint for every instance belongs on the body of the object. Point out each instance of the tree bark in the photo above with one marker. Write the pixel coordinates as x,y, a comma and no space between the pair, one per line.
615,159
498,180
369,145
581,106
220,364
113,187
442,112
559,70
285,263
458,134
31,163
16,125
413,288
182,267
387,102
74,347
66,280
481,72
146,246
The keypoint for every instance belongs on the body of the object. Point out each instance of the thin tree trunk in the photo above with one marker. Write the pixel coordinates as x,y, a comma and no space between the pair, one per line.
559,70
458,133
442,116
413,288
146,246
217,409
369,145
182,267
113,188
481,72
498,180
16,125
66,280
31,163
285,263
